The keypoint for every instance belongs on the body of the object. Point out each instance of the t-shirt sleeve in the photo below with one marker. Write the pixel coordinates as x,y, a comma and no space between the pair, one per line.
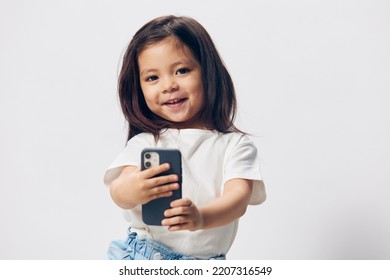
242,162
130,155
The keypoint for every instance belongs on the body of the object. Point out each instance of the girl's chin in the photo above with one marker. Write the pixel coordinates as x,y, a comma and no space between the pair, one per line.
183,125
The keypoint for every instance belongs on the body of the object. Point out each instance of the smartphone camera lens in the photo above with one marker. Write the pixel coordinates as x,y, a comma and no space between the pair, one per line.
147,164
147,156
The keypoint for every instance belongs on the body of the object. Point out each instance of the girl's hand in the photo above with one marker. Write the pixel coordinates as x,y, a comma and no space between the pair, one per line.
134,186
184,215
222,211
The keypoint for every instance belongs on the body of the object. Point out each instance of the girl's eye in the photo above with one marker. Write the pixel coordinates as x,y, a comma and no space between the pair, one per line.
151,78
182,71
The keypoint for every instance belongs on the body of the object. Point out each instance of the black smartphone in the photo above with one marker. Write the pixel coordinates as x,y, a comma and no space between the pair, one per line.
153,211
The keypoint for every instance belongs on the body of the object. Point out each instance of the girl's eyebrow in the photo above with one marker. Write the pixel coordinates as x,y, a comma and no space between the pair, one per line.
145,71
182,62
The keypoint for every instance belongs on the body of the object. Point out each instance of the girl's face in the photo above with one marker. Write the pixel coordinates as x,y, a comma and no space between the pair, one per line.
171,81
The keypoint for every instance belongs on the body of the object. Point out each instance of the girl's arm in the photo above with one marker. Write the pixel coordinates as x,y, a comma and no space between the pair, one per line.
133,186
224,210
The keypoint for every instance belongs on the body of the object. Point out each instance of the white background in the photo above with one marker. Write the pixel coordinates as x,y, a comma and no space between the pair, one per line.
313,84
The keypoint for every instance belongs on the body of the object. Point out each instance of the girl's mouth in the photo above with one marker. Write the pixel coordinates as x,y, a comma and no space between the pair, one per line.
175,102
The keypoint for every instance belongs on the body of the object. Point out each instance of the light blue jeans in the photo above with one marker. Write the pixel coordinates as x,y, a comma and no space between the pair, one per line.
140,248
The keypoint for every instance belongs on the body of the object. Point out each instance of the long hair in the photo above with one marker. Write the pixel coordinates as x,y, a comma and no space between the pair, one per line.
219,109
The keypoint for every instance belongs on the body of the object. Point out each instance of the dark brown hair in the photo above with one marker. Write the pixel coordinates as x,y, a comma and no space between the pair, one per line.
220,106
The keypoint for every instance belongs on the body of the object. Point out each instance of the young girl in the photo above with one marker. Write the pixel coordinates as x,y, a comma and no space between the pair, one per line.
175,92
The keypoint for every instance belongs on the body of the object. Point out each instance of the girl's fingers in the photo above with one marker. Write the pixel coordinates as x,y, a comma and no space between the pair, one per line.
184,215
180,206
162,194
175,221
168,188
181,202
162,180
152,180
178,227
151,172
176,211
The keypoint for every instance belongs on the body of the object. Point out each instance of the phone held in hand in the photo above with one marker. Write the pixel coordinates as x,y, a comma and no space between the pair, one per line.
153,211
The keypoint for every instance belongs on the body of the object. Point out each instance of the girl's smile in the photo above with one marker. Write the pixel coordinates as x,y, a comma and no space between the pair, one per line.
171,82
175,102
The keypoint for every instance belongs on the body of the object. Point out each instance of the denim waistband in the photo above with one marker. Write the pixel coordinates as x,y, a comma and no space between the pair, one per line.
142,248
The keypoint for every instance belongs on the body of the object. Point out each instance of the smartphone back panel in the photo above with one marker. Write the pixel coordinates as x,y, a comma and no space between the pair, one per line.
153,211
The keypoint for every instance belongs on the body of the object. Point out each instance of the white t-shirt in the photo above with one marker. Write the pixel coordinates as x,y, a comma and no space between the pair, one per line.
209,160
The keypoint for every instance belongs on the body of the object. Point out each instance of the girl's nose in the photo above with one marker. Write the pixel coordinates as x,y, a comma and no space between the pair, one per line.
170,85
